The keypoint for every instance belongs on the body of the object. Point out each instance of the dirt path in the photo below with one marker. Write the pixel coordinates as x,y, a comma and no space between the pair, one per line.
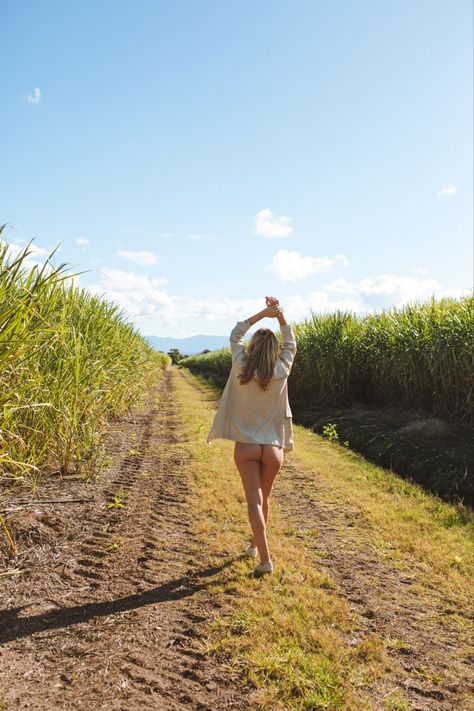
430,661
105,600
104,606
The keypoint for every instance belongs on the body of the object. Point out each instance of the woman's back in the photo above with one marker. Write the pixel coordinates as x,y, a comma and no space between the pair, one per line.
248,413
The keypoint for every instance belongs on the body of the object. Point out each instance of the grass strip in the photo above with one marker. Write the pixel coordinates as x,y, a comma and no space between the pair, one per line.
286,634
415,530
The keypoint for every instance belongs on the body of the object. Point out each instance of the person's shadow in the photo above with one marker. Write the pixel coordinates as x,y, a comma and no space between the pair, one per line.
13,627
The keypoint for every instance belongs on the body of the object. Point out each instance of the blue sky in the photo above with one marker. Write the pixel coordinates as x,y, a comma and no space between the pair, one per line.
195,156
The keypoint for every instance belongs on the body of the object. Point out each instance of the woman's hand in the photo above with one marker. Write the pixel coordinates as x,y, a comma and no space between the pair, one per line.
273,310
271,301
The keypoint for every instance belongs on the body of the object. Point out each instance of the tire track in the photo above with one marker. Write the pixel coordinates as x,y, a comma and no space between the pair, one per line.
427,657
122,630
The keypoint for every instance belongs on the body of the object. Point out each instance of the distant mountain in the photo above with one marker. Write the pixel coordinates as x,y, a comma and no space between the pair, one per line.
188,346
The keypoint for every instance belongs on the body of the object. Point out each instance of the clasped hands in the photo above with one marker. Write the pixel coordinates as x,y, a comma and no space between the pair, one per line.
273,309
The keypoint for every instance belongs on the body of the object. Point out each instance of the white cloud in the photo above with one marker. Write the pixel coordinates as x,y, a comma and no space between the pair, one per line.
402,288
223,312
292,266
269,225
387,290
298,307
166,234
125,281
82,242
147,303
34,98
215,308
144,259
366,296
14,250
340,286
342,259
34,252
448,191
137,294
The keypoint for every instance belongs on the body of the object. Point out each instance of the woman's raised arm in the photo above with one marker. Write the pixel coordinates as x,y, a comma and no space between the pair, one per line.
268,312
238,332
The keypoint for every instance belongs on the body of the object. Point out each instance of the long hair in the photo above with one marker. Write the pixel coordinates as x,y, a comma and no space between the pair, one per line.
262,355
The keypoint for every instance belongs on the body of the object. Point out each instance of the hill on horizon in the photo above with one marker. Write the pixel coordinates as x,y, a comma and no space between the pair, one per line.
190,345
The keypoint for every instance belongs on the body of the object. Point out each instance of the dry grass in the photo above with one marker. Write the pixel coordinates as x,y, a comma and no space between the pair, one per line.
289,633
412,528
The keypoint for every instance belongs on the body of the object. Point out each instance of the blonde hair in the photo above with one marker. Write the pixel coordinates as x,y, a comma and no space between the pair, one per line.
262,354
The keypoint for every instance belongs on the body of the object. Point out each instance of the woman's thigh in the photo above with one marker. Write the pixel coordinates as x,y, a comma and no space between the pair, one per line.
247,458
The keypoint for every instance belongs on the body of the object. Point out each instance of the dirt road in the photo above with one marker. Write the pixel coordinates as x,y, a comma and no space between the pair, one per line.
102,610
105,605
426,648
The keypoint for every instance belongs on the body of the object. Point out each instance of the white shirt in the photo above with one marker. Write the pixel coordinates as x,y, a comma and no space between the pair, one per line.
246,413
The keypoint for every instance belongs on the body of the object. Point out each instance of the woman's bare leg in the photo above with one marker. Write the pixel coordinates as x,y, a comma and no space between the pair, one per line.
247,458
272,459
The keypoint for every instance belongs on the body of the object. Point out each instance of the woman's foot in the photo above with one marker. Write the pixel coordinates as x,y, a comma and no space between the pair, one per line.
263,568
251,551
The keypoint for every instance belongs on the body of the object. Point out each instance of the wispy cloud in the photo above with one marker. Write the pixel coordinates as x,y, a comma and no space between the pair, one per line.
34,98
15,249
387,290
166,234
366,296
144,259
293,266
139,295
82,242
448,191
216,308
145,301
271,226
35,254
342,259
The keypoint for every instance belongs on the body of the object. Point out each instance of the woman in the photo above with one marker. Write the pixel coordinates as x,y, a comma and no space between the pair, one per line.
255,413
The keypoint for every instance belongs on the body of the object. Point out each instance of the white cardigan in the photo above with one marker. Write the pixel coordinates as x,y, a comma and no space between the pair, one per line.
246,413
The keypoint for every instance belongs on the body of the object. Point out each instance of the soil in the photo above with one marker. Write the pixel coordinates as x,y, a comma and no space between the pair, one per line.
101,608
428,639
436,453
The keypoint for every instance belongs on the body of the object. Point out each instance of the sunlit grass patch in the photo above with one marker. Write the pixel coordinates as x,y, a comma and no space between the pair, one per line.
291,634
411,528
287,633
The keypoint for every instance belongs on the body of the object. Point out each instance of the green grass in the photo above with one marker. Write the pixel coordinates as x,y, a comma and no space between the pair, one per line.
285,635
290,635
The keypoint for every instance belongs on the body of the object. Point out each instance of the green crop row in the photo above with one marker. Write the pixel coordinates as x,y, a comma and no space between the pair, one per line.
69,361
420,356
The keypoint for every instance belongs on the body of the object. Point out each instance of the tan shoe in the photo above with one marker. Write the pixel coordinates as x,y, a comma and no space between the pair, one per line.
263,569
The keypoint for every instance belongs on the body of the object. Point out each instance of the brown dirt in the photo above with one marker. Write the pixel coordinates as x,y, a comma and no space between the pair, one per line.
101,608
427,638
